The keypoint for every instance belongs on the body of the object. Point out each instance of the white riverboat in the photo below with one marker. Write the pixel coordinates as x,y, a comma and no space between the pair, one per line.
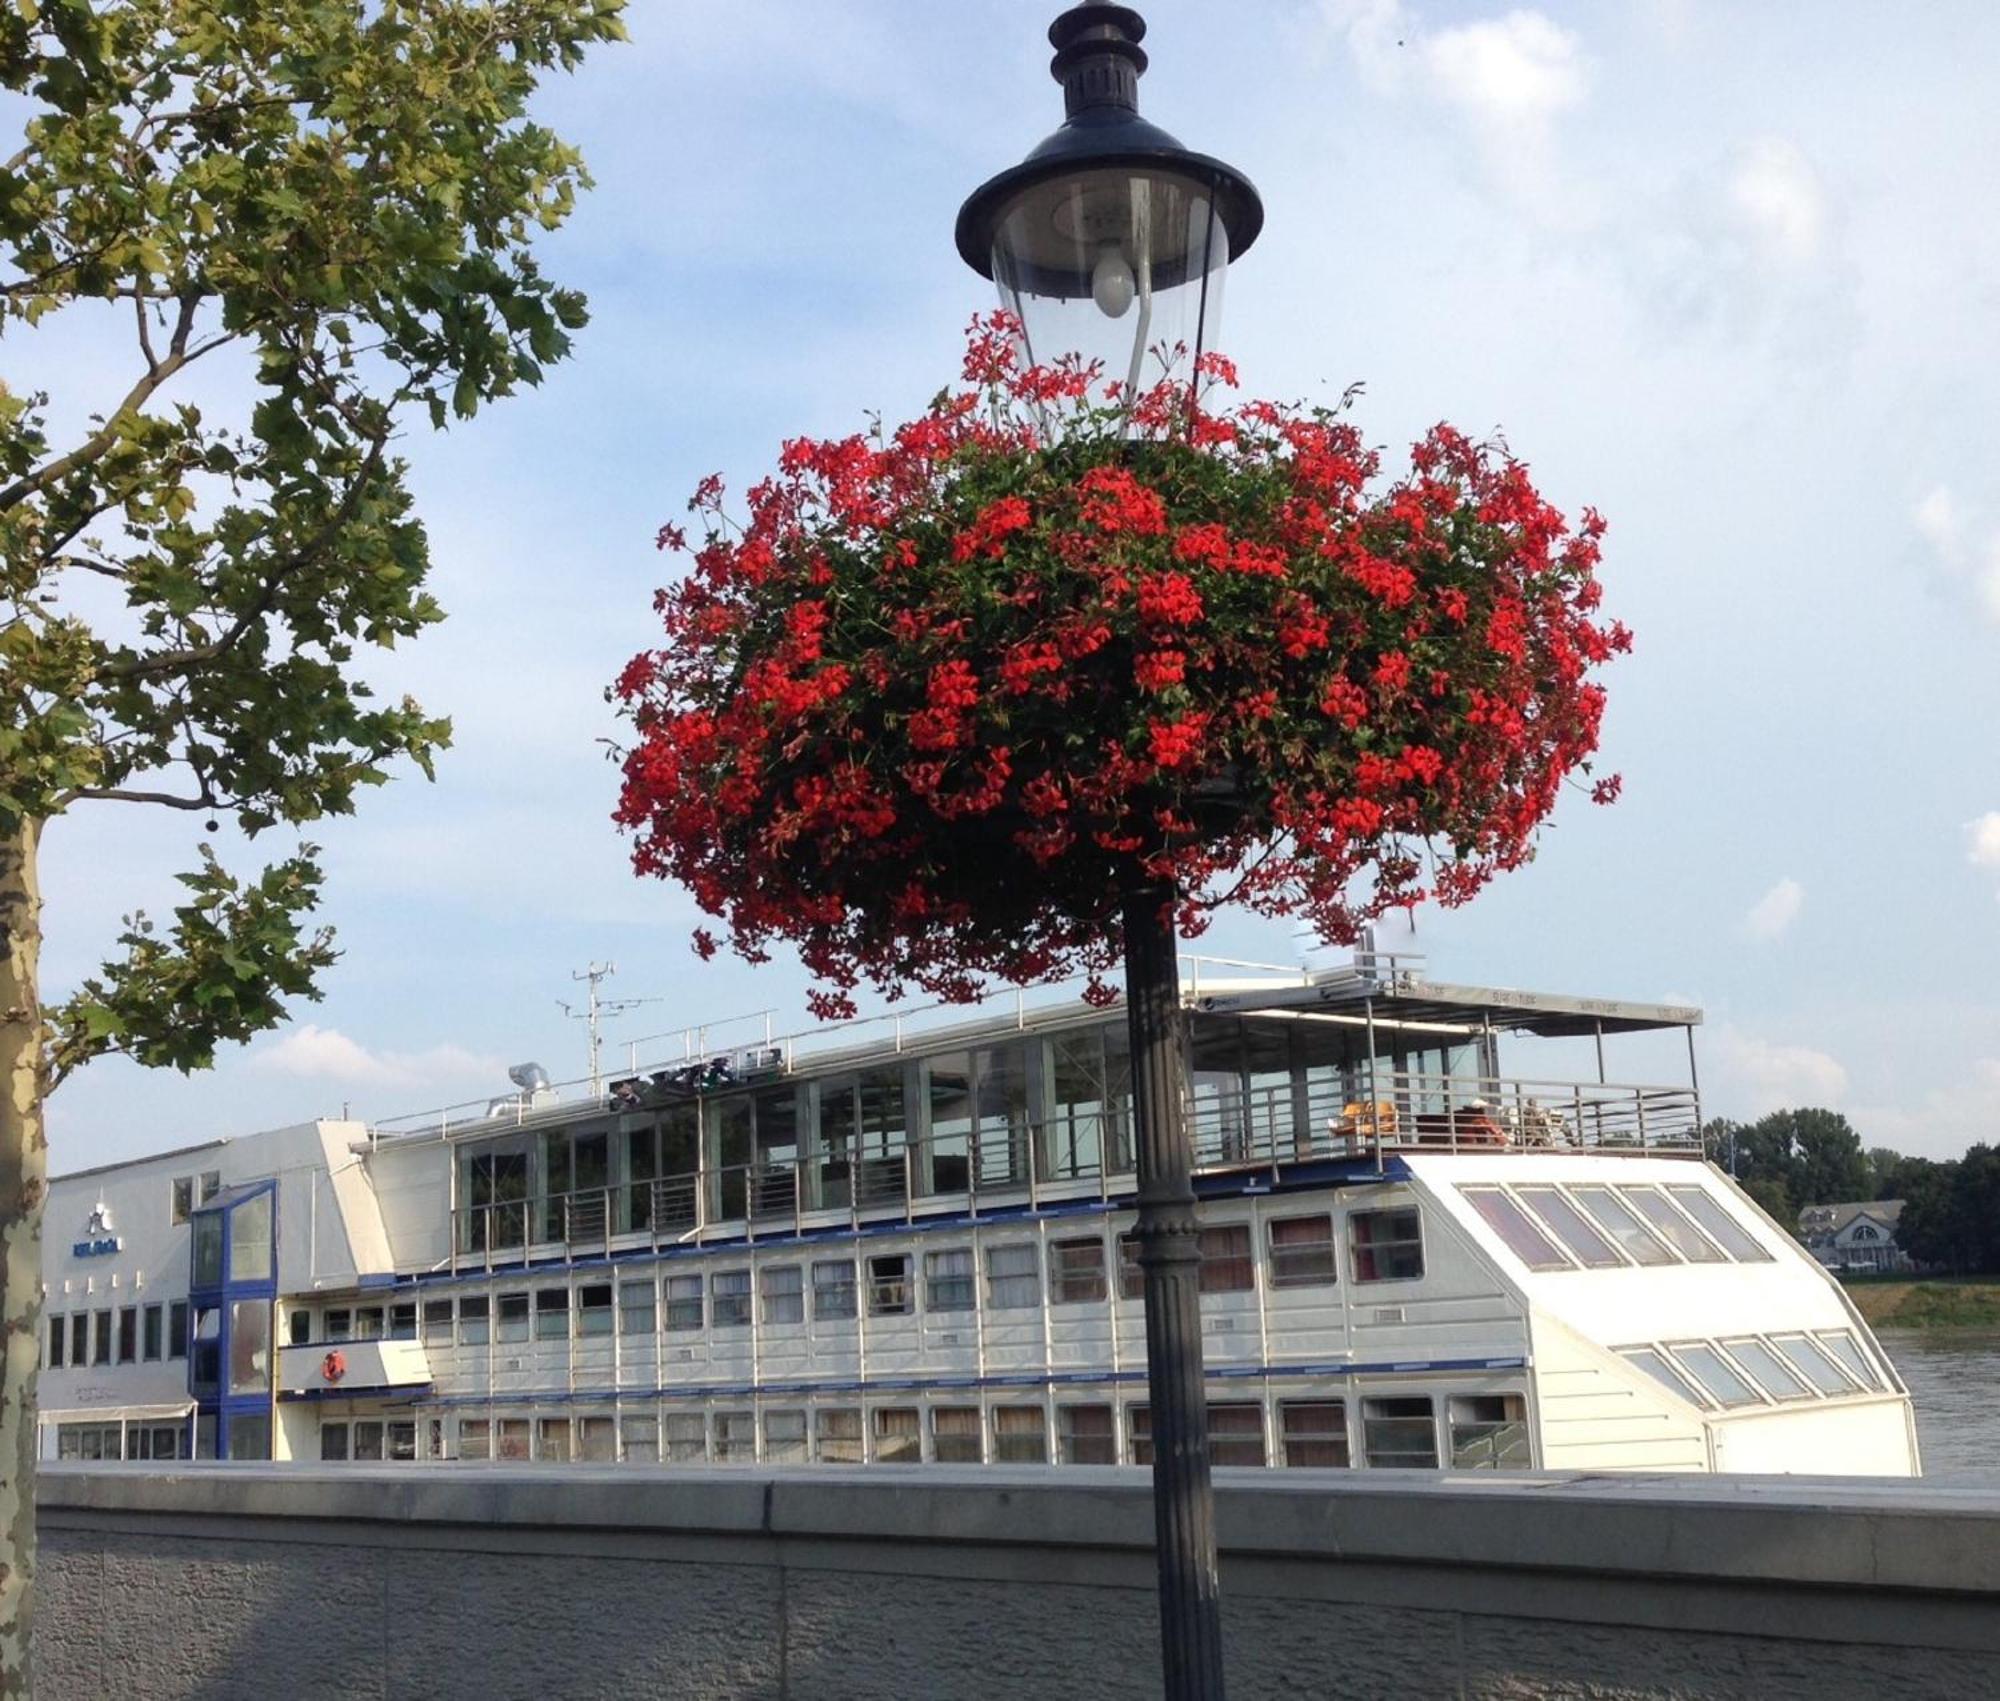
895,1243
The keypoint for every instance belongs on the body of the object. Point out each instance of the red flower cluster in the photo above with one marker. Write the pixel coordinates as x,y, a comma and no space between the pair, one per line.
949,692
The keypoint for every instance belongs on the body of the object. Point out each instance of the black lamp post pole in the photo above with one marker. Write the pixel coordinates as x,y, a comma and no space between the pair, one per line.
1183,1498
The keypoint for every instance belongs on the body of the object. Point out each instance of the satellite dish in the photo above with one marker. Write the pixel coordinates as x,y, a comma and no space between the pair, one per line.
529,1077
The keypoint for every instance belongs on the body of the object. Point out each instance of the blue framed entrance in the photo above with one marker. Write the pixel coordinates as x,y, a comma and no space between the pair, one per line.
233,1288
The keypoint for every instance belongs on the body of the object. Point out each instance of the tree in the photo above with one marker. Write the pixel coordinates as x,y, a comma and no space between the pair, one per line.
1794,1158
1953,1217
343,200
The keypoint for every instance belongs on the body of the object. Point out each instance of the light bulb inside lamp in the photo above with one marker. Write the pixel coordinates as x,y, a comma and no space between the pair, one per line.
1111,285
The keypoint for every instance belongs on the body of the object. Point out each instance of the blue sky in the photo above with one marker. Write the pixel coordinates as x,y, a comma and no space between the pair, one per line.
1732,280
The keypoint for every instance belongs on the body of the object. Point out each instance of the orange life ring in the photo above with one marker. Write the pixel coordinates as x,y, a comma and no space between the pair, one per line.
334,1366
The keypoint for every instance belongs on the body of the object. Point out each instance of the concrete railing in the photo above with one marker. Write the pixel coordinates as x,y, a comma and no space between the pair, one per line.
493,1582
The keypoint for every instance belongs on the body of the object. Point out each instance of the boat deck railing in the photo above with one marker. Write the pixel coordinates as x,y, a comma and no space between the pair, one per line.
1081,1155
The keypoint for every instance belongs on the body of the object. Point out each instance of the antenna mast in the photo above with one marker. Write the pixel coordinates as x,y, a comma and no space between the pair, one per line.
592,1015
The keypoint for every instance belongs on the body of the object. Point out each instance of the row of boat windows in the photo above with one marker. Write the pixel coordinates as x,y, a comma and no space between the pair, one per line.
128,1334
1754,1370
1383,1245
1598,1226
129,1440
1395,1431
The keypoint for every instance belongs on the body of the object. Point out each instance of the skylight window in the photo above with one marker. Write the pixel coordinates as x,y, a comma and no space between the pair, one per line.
1657,1365
1721,1379
1847,1350
1719,1225
1777,1378
1812,1361
1618,1219
1571,1227
1672,1226
1515,1228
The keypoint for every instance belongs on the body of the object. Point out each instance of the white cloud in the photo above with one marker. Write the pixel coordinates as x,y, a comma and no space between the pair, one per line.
312,1053
1752,1077
1945,527
1940,525
1512,74
1945,1120
1773,914
1377,33
1777,197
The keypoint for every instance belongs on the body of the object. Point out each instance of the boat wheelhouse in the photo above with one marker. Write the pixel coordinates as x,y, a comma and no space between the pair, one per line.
899,1242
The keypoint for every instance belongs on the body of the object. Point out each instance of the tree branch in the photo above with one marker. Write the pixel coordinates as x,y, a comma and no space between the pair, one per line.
112,794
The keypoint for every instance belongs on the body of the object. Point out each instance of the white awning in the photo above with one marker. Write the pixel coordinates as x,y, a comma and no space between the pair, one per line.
116,1414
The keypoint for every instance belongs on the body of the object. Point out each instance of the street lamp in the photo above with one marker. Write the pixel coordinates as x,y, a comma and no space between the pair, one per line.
1108,240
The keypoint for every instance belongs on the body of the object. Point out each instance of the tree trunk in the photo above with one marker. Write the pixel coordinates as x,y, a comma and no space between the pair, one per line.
24,1162
1169,1253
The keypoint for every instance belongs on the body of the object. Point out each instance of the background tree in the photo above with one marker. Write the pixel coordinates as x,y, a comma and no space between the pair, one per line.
342,199
1951,1218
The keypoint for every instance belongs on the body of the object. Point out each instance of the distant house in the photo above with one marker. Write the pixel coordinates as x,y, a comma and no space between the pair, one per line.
1860,1236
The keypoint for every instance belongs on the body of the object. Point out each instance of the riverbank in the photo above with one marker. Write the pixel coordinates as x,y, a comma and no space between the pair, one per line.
1943,1302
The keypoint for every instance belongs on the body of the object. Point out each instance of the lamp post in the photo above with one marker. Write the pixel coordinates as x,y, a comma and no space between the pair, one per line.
1111,239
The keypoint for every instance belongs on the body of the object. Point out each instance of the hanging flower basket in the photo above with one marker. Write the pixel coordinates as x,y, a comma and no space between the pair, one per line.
947,694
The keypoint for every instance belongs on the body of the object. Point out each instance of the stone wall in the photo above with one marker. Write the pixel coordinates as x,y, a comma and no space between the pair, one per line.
292,1583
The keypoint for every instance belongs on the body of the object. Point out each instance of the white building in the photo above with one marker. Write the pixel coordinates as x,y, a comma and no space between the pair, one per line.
1860,1236
898,1244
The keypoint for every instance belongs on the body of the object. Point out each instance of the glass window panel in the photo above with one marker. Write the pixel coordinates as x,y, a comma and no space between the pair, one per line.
438,1322
58,1338
1088,1435
1720,1225
1518,1232
948,1081
1399,1433
403,1322
596,1440
955,1436
1227,1264
1672,1226
1571,1226
128,1334
638,1307
368,1323
1844,1347
250,1240
211,1184
553,1443
1387,1246
1302,1251
473,1319
1811,1361
1235,1433
1657,1365
79,1334
639,1440
1020,1435
402,1440
1139,1426
207,1235
1013,1276
1075,1137
686,1438
1489,1432
898,1439
249,1438
513,1317
512,1439
1076,1270
889,1285
552,1314
249,1346
1131,1273
333,1442
785,1438
948,1282
1767,1368
368,1440
1715,1373
833,1289
593,1309
1622,1223
837,1435
729,1299
1314,1432
684,1304
782,1293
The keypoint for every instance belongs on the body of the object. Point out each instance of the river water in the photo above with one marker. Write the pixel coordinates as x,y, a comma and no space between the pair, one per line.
1954,1381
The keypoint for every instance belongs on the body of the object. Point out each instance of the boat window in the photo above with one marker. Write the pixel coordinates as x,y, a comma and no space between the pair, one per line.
1301,1251
837,1435
368,1323
1076,1271
1719,1225
1013,1276
1021,1436
593,1309
1672,1227
782,1293
1715,1373
1236,1433
729,1299
948,1280
785,1438
475,1438
1489,1432
638,1307
1657,1365
1516,1229
1811,1361
1847,1350
473,1319
510,1440
332,1442
513,1317
1227,1265
1616,1218
1399,1433
1087,1435
833,1289
437,1323
552,1441
889,1285
1313,1432
1571,1226
596,1440
684,1307
1776,1377
736,1438
1139,1427
552,1314
898,1440
687,1438
955,1435
1387,1246
639,1440
1131,1273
